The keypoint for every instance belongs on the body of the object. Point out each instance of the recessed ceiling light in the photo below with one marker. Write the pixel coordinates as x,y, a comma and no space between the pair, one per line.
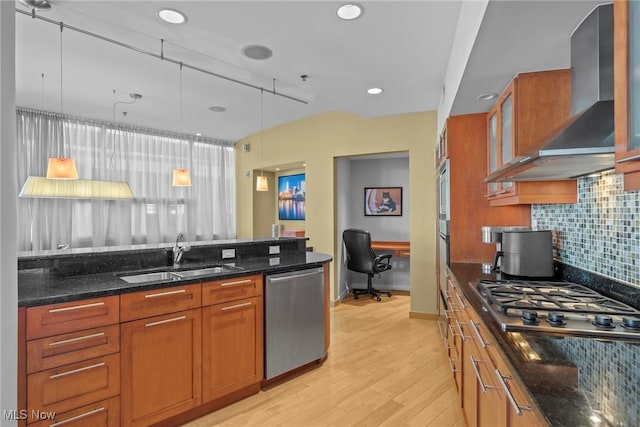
40,5
277,169
172,16
198,134
490,96
256,51
217,109
375,91
350,11
304,165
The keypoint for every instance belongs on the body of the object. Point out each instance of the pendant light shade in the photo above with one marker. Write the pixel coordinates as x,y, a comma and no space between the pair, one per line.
181,178
44,188
61,168
261,183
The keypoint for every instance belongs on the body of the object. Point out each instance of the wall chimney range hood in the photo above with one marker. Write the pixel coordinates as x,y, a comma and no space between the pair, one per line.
584,144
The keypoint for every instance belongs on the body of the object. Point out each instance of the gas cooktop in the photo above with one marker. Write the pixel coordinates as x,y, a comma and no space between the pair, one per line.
557,307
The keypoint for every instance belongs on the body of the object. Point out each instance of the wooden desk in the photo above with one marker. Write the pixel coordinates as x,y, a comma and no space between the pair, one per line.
398,248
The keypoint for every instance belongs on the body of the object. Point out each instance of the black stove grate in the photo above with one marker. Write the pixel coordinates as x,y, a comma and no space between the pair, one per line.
513,295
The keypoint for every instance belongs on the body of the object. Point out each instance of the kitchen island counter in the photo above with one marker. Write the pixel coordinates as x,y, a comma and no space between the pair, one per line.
46,284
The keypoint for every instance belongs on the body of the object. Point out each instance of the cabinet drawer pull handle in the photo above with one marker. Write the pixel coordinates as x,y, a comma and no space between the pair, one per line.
628,159
483,386
160,322
70,340
453,334
76,307
512,400
462,304
476,331
233,307
75,371
462,335
239,282
77,417
452,365
163,294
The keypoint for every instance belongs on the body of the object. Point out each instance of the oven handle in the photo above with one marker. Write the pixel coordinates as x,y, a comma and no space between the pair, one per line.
518,408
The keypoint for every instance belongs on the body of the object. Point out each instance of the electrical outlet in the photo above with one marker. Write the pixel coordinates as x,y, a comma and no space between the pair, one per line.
228,253
274,250
274,261
401,264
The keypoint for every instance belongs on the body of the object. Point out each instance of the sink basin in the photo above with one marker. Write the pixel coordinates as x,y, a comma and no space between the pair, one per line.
201,271
170,276
161,276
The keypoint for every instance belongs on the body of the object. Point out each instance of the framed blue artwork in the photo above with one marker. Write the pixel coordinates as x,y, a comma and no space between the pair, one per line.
291,195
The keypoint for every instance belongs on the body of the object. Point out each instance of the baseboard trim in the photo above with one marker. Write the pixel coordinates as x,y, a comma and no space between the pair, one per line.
424,316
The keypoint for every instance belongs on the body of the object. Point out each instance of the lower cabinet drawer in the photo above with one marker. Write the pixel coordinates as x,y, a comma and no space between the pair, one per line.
72,386
51,352
233,289
105,413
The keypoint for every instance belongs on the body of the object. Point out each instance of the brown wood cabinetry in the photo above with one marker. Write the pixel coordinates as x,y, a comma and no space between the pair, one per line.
232,338
470,210
72,358
161,356
489,395
532,105
139,305
626,93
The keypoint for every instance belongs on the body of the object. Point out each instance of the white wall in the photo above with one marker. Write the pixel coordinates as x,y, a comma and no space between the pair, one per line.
8,214
469,21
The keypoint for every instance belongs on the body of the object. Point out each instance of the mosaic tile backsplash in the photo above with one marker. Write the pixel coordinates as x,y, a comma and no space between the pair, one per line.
608,376
600,233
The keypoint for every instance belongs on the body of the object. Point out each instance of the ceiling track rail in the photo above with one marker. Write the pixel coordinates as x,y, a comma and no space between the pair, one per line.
160,56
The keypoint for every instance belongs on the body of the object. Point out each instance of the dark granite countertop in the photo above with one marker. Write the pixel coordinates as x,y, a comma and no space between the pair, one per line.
40,286
560,382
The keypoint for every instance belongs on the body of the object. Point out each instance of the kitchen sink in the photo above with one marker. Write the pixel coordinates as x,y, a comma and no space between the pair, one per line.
162,276
202,271
170,276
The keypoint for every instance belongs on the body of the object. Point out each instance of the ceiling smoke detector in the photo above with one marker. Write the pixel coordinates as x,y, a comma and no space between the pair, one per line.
256,51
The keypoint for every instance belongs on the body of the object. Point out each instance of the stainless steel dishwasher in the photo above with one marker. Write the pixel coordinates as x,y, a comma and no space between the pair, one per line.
294,320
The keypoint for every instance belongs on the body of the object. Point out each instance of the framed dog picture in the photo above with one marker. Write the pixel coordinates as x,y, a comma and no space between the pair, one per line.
383,201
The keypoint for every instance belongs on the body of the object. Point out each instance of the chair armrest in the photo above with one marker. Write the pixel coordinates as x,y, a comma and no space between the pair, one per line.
382,260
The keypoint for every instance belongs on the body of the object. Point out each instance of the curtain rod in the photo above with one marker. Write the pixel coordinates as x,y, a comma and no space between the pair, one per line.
160,56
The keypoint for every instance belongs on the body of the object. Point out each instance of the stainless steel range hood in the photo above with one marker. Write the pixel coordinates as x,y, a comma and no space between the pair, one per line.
584,144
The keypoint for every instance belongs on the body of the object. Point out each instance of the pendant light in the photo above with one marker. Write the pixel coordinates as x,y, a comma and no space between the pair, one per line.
181,176
261,181
61,167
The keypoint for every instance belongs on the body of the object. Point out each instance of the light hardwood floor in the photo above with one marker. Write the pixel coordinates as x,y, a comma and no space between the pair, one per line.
383,369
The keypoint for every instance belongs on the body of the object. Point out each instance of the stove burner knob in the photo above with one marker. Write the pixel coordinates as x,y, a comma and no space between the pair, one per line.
530,316
556,317
631,322
603,320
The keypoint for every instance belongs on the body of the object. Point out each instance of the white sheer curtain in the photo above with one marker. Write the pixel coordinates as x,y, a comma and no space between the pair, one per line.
142,157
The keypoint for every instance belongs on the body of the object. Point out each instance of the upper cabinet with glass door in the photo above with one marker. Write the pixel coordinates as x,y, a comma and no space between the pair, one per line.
627,91
532,105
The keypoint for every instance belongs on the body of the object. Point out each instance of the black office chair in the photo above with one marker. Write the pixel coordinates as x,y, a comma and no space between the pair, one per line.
362,259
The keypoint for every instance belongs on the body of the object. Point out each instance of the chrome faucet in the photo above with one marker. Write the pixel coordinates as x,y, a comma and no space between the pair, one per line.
178,251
